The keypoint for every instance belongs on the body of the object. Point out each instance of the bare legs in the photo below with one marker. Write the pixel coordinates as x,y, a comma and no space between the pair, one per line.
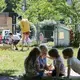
24,37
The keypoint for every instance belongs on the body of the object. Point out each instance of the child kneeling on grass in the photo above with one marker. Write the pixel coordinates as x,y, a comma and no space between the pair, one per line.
59,69
72,62
13,40
42,60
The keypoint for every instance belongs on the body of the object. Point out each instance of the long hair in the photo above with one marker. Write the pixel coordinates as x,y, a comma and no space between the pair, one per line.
33,55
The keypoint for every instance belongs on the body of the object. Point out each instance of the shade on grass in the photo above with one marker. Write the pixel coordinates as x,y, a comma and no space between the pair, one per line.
12,62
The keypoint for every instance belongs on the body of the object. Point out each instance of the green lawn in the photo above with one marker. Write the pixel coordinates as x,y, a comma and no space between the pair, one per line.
12,62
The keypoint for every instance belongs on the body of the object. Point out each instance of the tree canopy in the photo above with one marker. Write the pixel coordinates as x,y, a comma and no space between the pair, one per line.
39,10
2,5
11,5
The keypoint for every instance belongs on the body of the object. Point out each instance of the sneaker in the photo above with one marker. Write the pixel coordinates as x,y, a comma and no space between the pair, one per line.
16,49
27,48
21,50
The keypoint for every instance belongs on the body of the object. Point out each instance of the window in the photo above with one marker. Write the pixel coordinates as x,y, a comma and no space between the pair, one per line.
61,35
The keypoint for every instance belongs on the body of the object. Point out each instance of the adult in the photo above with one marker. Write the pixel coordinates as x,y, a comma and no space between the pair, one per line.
25,29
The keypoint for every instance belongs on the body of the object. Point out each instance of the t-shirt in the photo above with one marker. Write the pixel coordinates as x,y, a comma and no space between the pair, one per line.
41,37
24,24
16,37
42,62
75,64
31,70
61,64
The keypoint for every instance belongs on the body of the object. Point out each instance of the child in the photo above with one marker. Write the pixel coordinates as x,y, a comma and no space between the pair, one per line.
72,62
32,67
25,29
13,40
59,69
41,37
78,54
42,59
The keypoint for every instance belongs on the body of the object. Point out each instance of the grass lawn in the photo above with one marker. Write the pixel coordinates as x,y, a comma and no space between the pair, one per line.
12,62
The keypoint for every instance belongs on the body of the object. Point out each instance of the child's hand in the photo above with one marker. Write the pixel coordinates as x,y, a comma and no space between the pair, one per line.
49,57
48,73
50,67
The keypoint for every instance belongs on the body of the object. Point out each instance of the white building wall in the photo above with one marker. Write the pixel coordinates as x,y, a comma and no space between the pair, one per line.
62,38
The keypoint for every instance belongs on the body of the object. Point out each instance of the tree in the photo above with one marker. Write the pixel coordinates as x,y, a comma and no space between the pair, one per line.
2,5
11,5
39,10
71,15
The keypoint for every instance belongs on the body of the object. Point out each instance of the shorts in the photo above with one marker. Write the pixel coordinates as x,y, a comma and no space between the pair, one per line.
54,73
26,33
15,42
41,73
